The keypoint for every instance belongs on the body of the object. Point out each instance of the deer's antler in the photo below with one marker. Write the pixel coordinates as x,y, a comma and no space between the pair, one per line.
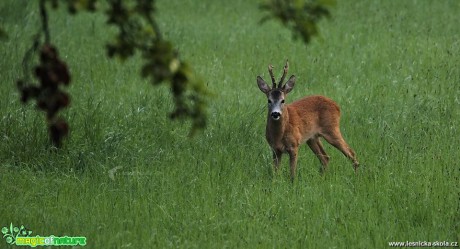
286,67
270,70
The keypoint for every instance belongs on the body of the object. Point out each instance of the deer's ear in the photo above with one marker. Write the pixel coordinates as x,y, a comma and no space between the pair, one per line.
262,85
289,84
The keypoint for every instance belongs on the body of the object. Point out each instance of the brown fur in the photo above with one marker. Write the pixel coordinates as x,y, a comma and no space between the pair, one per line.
304,121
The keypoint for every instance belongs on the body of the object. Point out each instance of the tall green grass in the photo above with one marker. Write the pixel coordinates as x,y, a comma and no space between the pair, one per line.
128,177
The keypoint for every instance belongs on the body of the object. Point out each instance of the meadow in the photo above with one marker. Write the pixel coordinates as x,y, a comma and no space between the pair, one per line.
129,177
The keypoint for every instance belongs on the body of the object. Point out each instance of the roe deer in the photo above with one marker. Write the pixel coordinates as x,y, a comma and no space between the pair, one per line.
305,120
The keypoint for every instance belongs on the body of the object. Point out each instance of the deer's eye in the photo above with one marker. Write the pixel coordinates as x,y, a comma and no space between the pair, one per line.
269,101
282,101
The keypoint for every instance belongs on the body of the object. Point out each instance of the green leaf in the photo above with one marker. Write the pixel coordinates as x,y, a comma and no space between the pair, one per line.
300,16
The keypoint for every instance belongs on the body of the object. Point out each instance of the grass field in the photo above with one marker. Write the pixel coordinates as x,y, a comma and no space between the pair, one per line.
128,177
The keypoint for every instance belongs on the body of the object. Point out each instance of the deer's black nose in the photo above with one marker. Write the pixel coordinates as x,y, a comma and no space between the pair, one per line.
275,115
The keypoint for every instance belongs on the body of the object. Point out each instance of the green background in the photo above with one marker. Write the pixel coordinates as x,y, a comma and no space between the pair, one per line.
128,177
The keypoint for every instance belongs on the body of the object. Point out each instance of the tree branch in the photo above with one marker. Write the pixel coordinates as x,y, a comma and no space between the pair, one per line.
44,17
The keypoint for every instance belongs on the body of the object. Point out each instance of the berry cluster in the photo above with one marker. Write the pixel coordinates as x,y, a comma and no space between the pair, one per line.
51,72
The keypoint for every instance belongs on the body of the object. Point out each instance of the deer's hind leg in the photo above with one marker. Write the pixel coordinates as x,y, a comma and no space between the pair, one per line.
317,148
334,137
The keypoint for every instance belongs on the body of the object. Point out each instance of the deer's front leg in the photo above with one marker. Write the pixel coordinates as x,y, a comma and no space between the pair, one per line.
293,161
277,159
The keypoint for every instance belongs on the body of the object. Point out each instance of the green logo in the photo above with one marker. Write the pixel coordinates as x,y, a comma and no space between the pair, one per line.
13,233
21,236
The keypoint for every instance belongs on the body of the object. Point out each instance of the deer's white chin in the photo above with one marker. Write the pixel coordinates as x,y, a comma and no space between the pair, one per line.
276,118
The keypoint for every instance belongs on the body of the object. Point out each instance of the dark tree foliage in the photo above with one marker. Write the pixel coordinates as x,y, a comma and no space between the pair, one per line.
138,33
52,72
301,16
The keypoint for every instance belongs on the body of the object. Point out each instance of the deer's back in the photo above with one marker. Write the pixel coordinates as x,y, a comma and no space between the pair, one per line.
314,113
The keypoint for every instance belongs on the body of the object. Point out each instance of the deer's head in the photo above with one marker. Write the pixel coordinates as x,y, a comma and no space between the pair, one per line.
276,94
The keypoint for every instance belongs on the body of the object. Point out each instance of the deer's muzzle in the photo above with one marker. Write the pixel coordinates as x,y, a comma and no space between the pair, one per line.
275,115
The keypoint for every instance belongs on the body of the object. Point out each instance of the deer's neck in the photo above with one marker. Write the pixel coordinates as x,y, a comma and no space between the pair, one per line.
276,129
